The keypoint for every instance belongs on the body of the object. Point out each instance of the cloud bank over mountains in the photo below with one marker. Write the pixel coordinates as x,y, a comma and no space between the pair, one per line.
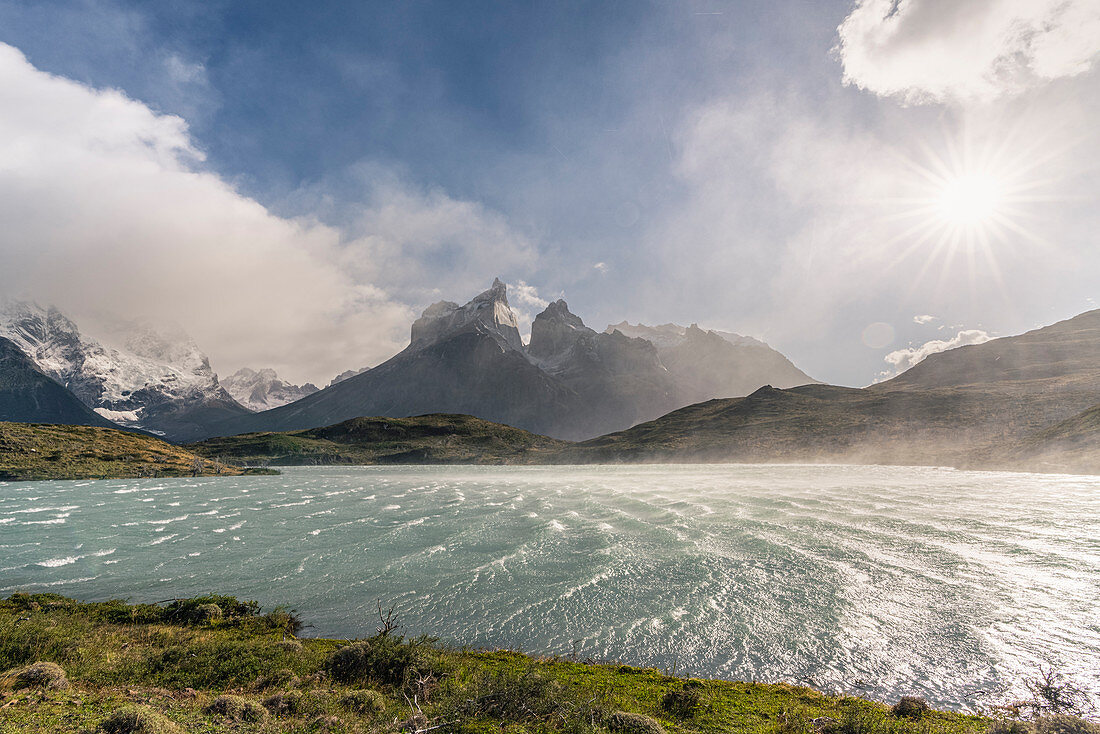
108,209
937,50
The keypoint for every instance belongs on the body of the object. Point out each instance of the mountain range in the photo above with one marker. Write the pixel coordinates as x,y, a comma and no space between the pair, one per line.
153,380
569,382
628,393
1031,400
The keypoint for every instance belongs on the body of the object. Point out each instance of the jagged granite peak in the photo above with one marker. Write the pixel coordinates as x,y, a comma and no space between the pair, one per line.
488,311
670,335
555,331
346,375
158,381
262,389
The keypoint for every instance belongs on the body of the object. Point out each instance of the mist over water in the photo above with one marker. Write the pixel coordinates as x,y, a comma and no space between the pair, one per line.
870,580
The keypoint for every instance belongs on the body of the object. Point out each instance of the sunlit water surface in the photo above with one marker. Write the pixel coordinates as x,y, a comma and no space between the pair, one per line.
873,580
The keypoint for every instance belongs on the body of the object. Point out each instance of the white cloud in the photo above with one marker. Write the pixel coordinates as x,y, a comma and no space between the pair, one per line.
923,319
601,267
903,359
935,50
526,302
106,207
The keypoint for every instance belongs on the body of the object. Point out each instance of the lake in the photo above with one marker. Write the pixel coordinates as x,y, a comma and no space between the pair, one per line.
876,581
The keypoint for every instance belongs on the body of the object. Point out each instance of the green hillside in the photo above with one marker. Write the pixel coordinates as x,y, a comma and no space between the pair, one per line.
47,451
428,439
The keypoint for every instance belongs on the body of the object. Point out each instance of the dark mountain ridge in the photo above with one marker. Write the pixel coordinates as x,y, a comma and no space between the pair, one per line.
571,382
29,395
978,405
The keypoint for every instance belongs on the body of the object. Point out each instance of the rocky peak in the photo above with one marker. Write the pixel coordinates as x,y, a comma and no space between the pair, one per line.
488,311
262,389
555,331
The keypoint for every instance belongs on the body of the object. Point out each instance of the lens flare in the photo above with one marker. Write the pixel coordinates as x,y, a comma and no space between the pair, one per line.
970,199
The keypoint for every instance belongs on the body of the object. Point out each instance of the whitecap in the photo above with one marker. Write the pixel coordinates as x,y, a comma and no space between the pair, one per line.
57,562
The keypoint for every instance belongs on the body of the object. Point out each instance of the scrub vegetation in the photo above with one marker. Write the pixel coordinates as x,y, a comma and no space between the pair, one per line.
125,668
46,451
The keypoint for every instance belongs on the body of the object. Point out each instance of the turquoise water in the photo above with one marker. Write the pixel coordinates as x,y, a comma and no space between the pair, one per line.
873,580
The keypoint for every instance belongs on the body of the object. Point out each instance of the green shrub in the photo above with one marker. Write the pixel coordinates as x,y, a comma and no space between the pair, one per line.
364,701
236,708
385,658
624,722
682,702
281,677
1010,726
296,703
290,647
196,611
1065,724
218,663
42,675
138,720
910,707
207,613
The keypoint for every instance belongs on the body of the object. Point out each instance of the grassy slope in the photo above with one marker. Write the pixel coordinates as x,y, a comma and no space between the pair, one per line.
46,451
117,655
427,439
1070,446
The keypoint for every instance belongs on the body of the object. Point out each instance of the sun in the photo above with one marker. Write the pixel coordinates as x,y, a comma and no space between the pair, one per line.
970,200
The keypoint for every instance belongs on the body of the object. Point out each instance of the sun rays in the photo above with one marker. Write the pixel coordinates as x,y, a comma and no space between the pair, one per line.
970,203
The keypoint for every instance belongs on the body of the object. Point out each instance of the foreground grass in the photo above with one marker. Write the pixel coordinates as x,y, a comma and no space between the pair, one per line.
216,664
48,451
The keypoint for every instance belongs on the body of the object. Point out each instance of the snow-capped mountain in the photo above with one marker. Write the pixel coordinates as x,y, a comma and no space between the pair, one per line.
155,380
262,389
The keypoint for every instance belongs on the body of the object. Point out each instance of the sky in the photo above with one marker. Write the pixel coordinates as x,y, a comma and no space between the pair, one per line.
860,184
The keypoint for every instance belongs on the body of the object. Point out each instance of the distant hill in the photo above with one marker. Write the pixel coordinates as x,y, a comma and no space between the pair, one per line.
426,439
980,405
38,451
27,394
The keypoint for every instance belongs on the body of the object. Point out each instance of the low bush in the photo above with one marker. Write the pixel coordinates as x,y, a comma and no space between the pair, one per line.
386,658
910,707
207,613
363,702
279,678
138,720
42,675
296,703
236,708
682,702
623,722
197,610
1064,724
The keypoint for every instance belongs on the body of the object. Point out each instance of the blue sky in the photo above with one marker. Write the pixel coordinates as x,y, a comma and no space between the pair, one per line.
756,167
